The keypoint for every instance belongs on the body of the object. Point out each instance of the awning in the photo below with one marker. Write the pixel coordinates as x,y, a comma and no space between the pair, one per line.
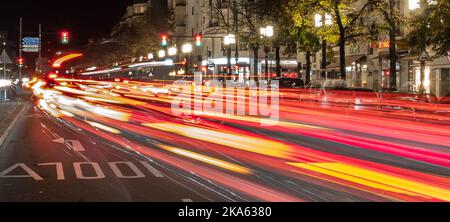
349,60
410,57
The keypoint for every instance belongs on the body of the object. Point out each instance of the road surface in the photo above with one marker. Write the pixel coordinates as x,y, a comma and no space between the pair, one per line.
83,145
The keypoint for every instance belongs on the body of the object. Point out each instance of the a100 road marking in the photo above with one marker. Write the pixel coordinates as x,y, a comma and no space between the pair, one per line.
81,174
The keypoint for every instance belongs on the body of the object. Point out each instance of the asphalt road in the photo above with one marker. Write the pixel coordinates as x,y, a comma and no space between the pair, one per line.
139,152
35,144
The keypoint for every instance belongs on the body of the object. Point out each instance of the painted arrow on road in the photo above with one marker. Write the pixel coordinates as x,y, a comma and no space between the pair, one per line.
75,145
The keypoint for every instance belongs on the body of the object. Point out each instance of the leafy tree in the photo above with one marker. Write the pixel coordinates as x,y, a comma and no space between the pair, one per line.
129,42
298,26
429,28
391,20
349,22
243,19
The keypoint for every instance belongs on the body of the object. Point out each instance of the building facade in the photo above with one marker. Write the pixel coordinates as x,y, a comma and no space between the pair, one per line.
368,63
192,17
134,11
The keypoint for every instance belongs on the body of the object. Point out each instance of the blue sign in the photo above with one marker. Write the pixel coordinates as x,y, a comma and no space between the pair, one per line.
30,41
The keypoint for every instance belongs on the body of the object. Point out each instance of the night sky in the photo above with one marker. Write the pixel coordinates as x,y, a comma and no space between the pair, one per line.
83,18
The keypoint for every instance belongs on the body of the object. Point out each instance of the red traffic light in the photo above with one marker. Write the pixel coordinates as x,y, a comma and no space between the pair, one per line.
164,40
65,37
198,40
20,61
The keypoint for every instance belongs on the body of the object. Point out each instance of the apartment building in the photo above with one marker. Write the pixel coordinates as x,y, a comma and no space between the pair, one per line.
201,17
134,11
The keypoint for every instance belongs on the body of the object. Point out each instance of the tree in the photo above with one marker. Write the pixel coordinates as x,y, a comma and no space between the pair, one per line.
130,41
349,21
298,27
391,20
429,28
241,18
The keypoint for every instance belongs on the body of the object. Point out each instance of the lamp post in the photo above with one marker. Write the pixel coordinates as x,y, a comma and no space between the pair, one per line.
187,49
266,33
229,40
416,5
4,60
323,21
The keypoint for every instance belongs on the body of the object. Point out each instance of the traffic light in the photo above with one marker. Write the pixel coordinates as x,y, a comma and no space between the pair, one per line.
65,37
20,62
236,70
164,40
198,40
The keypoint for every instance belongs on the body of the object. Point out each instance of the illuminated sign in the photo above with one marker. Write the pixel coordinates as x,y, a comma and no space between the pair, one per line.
381,45
30,44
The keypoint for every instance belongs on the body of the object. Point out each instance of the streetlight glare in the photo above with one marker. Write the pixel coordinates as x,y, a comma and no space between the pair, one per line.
328,19
187,48
161,54
414,4
267,31
172,51
318,20
230,39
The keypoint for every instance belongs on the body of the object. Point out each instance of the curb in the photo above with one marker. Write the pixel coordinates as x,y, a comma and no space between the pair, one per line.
11,126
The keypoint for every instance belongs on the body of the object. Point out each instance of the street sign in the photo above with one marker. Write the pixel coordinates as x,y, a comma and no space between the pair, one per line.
424,56
4,58
30,44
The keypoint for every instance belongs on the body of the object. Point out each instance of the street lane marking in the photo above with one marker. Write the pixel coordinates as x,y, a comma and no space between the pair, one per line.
119,174
152,170
81,169
79,172
376,180
187,200
75,145
29,171
59,169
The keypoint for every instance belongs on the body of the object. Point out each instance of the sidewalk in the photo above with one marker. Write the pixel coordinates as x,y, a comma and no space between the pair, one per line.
8,113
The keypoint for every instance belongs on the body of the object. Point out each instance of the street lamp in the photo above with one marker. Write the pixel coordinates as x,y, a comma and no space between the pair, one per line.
187,49
321,21
162,53
150,56
229,40
414,4
266,32
172,51
4,60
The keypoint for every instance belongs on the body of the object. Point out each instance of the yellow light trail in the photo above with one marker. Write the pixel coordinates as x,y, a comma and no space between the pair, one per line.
376,180
207,159
242,142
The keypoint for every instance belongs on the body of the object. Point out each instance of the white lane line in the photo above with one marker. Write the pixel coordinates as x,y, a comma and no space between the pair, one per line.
75,145
152,170
11,126
187,201
59,169
95,166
